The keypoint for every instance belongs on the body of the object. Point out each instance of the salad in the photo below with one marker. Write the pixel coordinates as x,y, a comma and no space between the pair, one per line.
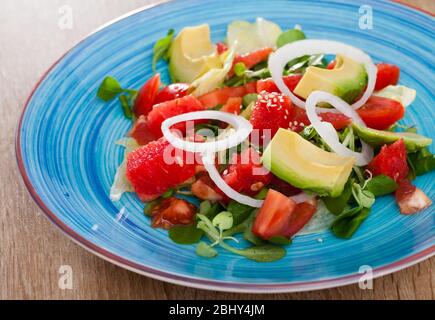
267,135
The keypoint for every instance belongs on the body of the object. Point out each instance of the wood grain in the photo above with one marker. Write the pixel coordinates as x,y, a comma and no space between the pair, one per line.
31,249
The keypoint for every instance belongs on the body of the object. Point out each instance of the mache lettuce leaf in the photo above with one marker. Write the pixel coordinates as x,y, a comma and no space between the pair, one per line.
120,184
245,37
215,77
404,95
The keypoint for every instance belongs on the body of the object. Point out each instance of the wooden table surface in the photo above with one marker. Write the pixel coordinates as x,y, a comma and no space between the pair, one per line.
31,249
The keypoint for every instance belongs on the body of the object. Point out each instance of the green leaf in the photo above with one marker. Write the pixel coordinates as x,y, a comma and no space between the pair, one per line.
168,194
290,36
411,129
364,198
240,211
206,251
349,221
262,194
223,220
149,207
248,235
239,69
421,162
189,234
337,205
425,165
263,253
381,185
281,241
210,210
204,207
249,98
126,108
161,49
109,89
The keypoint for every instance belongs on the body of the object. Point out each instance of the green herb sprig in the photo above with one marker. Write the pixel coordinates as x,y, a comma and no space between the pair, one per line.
110,88
162,48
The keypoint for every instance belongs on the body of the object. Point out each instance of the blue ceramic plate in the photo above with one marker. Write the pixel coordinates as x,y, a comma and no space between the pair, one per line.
67,156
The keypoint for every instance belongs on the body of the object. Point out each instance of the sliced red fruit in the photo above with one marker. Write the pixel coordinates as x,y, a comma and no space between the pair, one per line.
205,189
274,217
221,96
145,99
169,109
283,187
141,131
271,112
221,47
411,199
381,113
251,59
332,65
269,85
338,120
246,174
405,190
171,212
233,105
388,74
251,87
391,161
171,92
157,167
302,214
299,120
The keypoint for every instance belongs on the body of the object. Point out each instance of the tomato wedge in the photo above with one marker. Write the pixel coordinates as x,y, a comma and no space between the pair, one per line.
171,92
338,120
381,113
388,74
221,96
251,59
300,120
171,212
274,217
300,217
146,97
141,131
269,85
233,105
221,47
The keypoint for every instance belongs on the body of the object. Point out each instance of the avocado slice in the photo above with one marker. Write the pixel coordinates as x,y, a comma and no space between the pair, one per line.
373,137
304,165
347,80
192,54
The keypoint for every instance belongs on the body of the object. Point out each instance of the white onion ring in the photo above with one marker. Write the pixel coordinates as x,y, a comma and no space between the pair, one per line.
327,131
209,164
279,59
302,197
242,126
208,149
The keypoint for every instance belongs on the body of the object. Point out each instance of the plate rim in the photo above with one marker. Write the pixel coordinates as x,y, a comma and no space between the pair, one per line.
184,280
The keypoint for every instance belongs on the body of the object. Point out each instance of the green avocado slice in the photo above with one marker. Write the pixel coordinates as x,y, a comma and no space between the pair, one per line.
304,165
373,137
347,80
